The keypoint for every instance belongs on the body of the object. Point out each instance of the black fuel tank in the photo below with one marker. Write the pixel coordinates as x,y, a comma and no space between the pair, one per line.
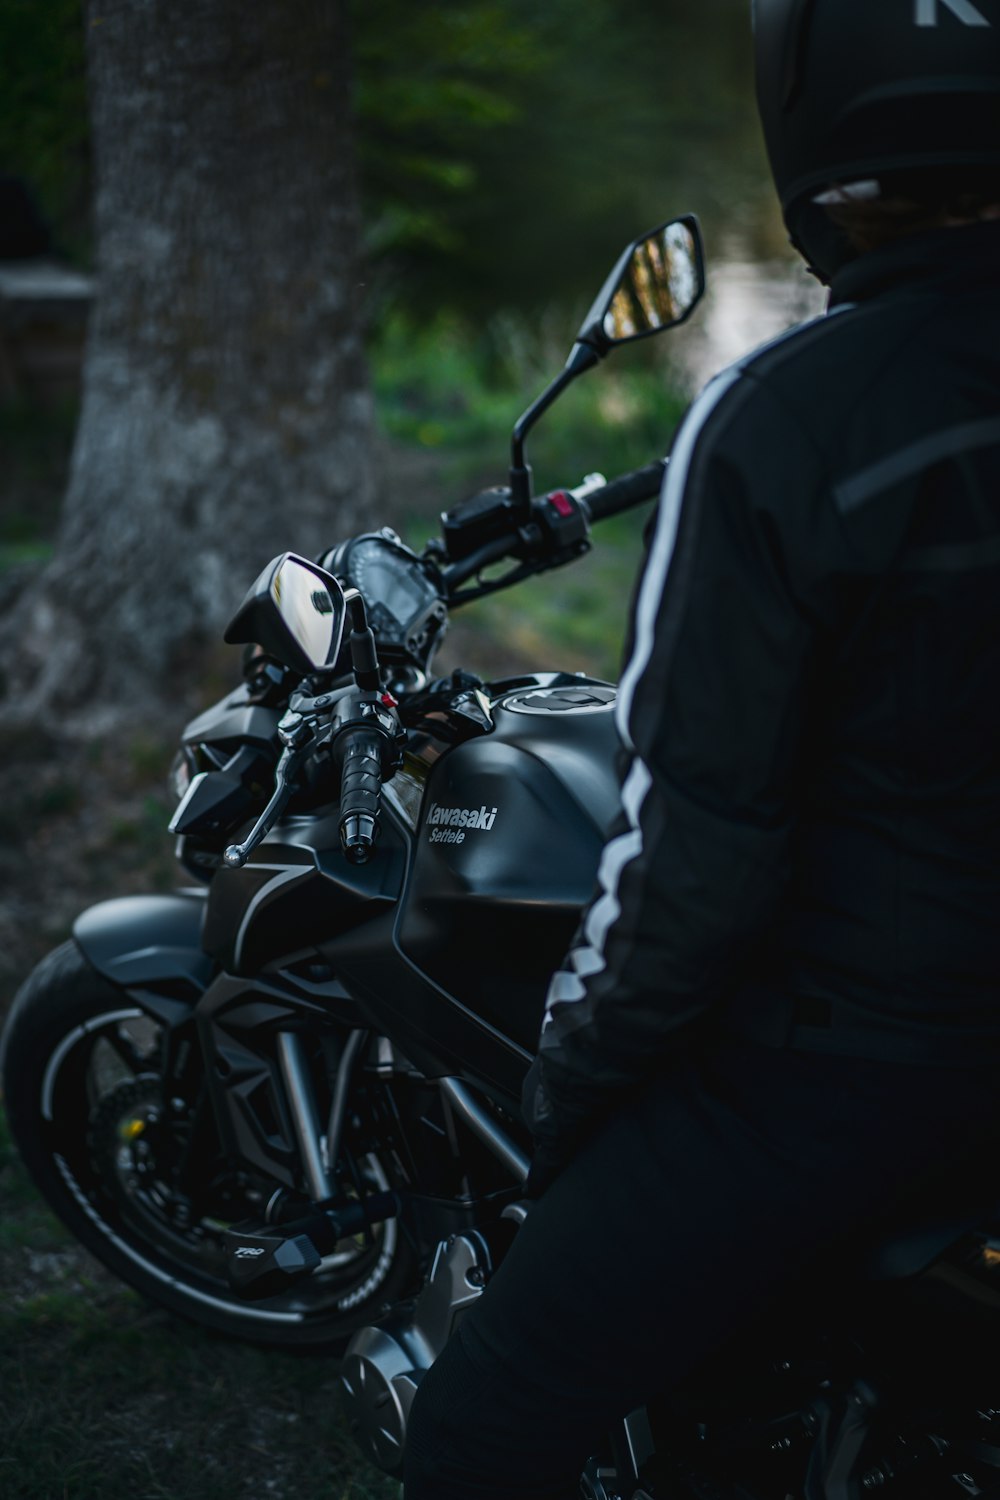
511,829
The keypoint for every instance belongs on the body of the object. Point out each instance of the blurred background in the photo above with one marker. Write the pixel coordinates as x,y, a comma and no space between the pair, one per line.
325,258
502,152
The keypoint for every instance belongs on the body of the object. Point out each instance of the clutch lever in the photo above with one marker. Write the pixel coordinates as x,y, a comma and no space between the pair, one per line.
296,733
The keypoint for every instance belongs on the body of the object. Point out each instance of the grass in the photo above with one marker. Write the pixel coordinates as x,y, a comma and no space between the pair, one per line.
17,554
35,444
104,1397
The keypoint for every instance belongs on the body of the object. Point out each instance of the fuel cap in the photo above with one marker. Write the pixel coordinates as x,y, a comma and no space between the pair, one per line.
587,698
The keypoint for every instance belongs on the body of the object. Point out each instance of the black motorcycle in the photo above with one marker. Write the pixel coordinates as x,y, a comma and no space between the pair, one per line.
284,1101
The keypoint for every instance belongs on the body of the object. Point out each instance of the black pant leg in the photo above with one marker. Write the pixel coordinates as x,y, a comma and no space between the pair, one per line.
691,1208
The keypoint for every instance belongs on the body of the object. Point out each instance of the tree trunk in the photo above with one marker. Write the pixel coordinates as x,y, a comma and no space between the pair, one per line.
226,414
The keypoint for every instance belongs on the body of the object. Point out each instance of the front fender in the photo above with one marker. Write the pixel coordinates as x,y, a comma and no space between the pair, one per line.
148,942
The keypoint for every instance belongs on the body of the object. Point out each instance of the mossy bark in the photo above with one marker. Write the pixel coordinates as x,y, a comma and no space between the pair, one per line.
226,413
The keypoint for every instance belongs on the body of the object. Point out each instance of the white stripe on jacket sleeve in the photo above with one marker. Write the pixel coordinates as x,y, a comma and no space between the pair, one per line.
587,959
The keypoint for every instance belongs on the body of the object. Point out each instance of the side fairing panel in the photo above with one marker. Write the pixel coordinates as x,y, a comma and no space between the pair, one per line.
298,892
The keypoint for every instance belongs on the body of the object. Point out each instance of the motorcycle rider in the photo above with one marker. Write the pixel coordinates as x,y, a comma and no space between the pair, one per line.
778,1032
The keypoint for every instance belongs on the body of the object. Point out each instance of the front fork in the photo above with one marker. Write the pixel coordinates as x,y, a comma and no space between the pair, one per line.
265,1259
318,1152
304,1114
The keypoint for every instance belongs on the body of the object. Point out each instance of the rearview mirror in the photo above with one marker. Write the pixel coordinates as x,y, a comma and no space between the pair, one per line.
296,611
657,283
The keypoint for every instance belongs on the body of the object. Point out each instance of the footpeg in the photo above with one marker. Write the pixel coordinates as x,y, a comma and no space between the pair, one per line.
264,1260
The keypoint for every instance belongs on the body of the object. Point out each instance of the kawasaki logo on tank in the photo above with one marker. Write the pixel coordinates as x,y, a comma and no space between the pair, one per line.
448,825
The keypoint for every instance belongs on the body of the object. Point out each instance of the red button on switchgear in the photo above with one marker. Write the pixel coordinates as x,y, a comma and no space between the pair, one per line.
562,503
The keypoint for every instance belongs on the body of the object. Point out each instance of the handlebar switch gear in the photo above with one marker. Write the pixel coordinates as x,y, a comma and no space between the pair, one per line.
485,517
563,523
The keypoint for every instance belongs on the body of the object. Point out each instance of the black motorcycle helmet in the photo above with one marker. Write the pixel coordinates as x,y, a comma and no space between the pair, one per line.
871,91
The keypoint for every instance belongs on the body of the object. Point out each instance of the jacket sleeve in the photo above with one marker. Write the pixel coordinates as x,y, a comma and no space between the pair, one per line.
710,709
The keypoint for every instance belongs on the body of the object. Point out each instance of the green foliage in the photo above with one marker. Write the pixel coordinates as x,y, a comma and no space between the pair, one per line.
17,554
35,444
430,78
457,398
60,797
43,110
509,148
443,387
149,759
139,837
15,1189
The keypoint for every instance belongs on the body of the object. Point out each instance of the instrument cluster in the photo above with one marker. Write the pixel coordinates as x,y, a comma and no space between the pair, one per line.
406,611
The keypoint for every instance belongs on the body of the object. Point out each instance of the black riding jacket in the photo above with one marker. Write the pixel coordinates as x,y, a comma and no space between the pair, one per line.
809,845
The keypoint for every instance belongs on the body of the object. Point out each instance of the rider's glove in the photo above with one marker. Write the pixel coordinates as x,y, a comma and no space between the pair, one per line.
546,1165
552,1152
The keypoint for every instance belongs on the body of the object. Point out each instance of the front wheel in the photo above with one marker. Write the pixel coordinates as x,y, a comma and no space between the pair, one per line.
139,1178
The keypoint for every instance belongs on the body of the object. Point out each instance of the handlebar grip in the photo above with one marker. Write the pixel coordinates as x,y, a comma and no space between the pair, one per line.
621,494
360,792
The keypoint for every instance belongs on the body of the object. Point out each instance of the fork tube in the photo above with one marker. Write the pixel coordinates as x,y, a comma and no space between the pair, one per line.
338,1105
305,1118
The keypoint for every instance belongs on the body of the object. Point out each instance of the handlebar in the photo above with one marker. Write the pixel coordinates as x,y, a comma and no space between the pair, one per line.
628,490
364,733
557,530
487,529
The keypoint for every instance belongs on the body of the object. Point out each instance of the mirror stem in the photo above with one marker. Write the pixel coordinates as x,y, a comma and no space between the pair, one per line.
582,357
364,653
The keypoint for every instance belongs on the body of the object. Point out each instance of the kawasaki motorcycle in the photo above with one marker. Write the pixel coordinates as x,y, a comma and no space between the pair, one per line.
284,1100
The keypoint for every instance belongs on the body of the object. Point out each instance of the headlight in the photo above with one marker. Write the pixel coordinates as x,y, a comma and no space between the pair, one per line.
180,775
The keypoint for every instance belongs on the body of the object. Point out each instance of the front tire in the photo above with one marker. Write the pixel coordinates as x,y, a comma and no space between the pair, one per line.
81,1067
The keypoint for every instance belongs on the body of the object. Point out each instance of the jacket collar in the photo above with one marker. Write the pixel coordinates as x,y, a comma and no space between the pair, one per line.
943,258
